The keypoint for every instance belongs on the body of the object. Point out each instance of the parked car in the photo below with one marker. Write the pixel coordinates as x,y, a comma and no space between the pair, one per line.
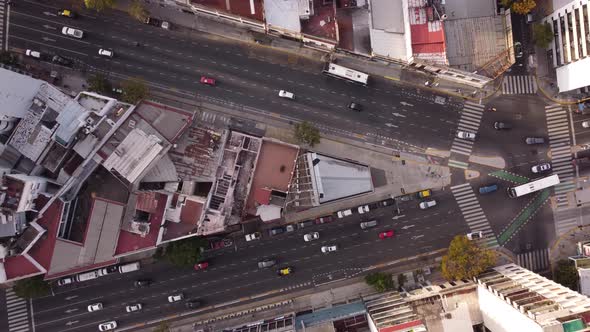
201,266
329,249
142,283
33,54
253,236
276,231
386,234
191,304
107,326
306,223
291,228
65,281
387,202
95,307
518,50
363,209
311,236
324,220
266,263
207,80
427,204
586,124
76,33
498,125
285,271
175,297
534,140
424,193
133,307
106,53
369,224
286,94
166,25
344,213
475,235
61,61
355,106
66,13
466,135
540,168
489,188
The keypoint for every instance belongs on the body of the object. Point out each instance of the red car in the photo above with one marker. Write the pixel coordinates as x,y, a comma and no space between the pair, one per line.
324,220
386,234
201,266
208,80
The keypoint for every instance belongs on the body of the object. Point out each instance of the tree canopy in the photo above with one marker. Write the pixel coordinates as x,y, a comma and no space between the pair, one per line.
565,273
185,252
134,90
380,281
521,7
99,5
138,11
32,287
306,133
542,34
465,259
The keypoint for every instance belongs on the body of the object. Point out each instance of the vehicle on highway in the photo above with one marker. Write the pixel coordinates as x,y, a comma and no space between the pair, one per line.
107,326
424,193
286,94
369,224
85,276
129,267
404,198
215,244
175,297
540,168
142,283
207,80
518,50
351,75
191,304
474,235
533,186
355,106
133,307
466,135
586,124
306,223
166,25
201,266
107,270
427,204
499,125
76,33
253,236
95,307
583,161
324,220
363,208
61,61
65,281
488,188
106,53
266,263
276,231
311,236
329,249
386,234
33,54
534,140
285,271
290,228
344,213
66,13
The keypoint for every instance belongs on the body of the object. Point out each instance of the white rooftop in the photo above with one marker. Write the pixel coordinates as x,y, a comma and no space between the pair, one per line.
569,78
390,29
283,14
16,93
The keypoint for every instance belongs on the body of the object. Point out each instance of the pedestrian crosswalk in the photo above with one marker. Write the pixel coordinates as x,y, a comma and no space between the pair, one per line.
473,213
519,84
536,261
566,219
558,128
17,311
469,121
215,118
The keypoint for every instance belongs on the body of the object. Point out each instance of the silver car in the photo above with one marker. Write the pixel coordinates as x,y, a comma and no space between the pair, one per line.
311,236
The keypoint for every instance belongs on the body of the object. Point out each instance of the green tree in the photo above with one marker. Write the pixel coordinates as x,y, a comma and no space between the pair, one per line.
138,11
565,273
32,287
7,58
523,7
98,83
134,90
163,327
99,5
185,252
542,34
306,133
465,259
380,281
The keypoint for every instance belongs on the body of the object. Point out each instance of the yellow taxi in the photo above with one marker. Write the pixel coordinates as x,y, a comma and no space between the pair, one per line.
285,271
66,13
424,193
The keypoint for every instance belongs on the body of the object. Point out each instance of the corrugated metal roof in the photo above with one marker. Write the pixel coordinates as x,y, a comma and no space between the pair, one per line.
70,119
134,154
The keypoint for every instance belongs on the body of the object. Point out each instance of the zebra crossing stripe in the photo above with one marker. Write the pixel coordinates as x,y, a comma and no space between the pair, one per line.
457,164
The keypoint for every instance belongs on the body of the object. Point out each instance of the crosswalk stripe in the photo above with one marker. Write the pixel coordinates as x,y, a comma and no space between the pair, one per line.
472,212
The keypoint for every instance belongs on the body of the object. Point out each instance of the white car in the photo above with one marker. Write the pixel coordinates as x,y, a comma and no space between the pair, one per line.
175,297
586,124
95,307
328,249
311,236
65,281
286,94
72,32
344,213
33,54
133,307
253,236
541,168
427,204
475,235
362,209
105,52
465,135
107,326
166,25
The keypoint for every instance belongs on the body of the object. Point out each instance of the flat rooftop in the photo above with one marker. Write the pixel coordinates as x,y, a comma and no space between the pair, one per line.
241,8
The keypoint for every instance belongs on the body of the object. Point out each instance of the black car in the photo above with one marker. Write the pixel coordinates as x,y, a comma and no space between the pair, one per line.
191,304
355,106
306,223
276,230
498,125
387,202
61,61
142,283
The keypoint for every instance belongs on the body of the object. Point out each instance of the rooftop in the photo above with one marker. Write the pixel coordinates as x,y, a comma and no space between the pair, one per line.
329,314
427,33
169,121
390,311
197,153
16,93
389,29
183,216
323,21
284,14
250,9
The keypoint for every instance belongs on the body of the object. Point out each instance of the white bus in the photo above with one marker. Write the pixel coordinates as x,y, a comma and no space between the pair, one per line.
533,186
344,73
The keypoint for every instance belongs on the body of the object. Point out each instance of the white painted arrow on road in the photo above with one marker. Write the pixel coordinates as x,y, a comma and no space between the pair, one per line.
72,322
71,310
408,226
48,39
391,125
405,104
49,14
397,217
71,297
397,114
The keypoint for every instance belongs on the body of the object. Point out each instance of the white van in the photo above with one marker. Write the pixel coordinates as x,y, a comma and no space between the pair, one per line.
129,267
87,276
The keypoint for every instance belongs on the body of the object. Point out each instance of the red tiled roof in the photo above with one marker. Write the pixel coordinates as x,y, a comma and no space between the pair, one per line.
323,22
262,196
146,202
402,327
42,251
426,41
191,212
236,7
19,266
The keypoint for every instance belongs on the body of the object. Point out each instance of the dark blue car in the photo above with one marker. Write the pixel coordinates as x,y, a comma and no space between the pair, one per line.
490,188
